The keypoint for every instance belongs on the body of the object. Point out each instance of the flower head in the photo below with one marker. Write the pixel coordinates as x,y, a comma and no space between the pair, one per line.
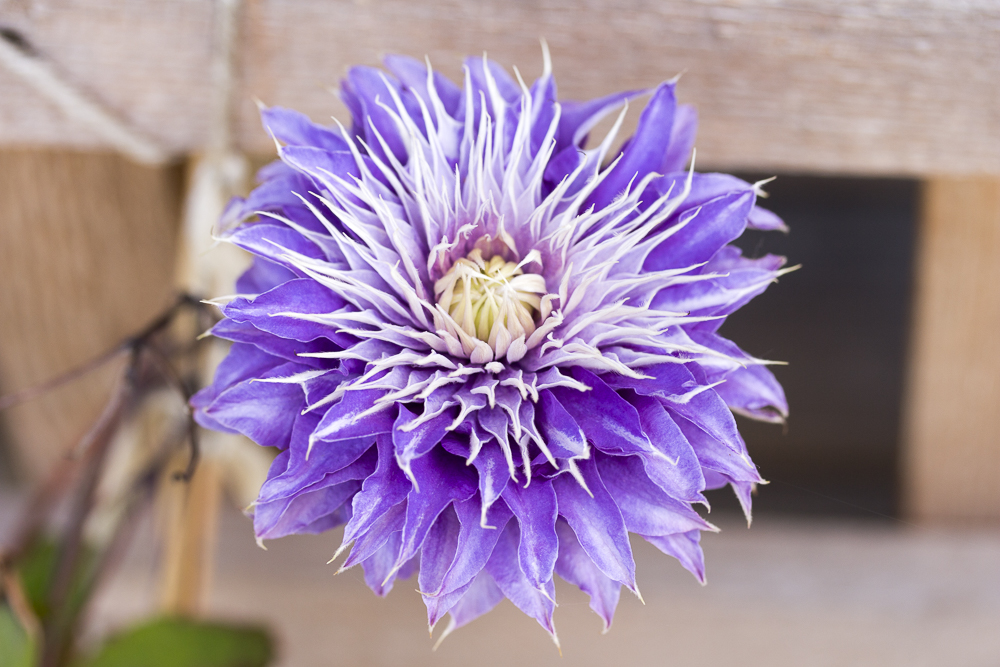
486,348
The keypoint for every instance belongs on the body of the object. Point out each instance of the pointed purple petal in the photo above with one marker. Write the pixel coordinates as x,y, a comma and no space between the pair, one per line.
717,456
714,225
579,118
263,275
474,548
379,574
564,437
607,419
410,445
263,411
344,420
270,311
684,547
575,566
646,509
536,509
443,479
494,475
329,463
677,471
597,522
480,598
503,565
647,149
289,516
437,555
681,139
381,491
475,543
377,534
295,129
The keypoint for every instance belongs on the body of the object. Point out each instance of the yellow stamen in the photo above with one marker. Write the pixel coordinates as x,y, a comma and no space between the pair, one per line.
487,296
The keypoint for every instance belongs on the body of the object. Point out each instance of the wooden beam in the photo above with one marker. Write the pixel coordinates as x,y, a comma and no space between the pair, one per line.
857,86
952,447
86,258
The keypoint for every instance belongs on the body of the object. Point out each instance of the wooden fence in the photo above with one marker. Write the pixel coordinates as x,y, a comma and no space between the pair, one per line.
858,87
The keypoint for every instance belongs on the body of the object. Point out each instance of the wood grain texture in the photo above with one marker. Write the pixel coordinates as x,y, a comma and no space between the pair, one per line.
952,448
858,86
86,258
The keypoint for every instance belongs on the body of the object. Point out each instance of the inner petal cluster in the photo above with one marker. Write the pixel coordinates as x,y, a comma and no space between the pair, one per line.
491,299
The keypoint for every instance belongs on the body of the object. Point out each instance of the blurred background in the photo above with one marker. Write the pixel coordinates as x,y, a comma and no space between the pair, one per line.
878,539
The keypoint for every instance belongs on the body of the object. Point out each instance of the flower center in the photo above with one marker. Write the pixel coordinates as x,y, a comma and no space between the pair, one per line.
485,297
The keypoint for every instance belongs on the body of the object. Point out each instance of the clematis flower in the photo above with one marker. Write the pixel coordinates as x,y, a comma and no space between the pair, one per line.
491,352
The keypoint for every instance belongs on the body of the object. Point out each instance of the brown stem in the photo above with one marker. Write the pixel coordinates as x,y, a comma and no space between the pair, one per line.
100,439
37,509
137,498
170,375
130,343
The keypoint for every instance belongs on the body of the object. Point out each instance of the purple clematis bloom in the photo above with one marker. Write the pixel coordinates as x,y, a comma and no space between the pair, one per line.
484,348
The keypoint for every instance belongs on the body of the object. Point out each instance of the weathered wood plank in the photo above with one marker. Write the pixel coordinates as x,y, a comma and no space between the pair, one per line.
86,258
952,434
895,87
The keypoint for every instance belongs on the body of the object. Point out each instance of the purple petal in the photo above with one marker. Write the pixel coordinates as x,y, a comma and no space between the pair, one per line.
322,166
263,275
410,445
243,362
289,350
503,566
718,222
474,548
646,151
437,555
536,509
684,547
608,420
494,475
384,489
677,471
346,419
562,434
575,566
263,411
475,543
379,573
744,493
295,129
290,516
597,522
681,138
272,241
717,456
578,118
765,221
675,384
646,509
377,534
368,88
329,463
413,74
480,598
443,479
754,392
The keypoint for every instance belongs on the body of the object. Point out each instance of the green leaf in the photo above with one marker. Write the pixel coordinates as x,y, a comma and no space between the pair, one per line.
16,647
36,568
178,642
